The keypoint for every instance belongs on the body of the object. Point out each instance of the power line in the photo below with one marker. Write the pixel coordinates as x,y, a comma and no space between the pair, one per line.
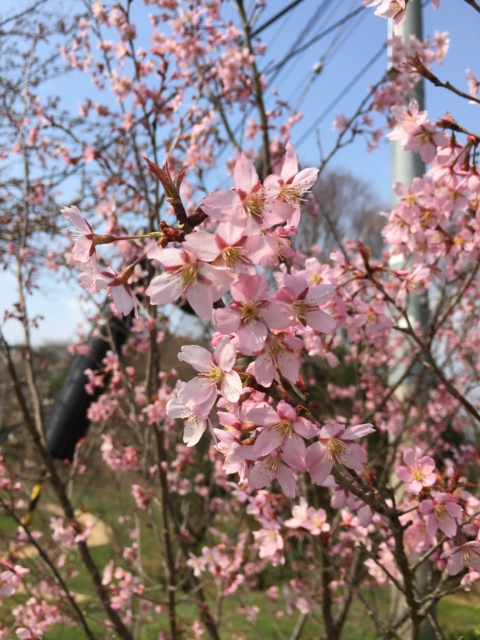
341,95
315,39
300,37
281,13
337,42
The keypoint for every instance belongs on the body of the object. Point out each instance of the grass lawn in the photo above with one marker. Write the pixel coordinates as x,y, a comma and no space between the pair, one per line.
458,615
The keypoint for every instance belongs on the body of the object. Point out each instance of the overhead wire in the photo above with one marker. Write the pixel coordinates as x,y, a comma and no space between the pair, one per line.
334,47
340,96
278,69
317,14
316,38
276,17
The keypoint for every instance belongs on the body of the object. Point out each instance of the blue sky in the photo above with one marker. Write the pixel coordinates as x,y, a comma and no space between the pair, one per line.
357,43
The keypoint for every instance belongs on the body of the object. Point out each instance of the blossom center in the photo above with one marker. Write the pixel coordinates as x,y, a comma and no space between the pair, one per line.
290,193
426,137
274,347
285,427
189,276
254,204
441,512
417,474
249,311
336,449
301,307
233,255
213,375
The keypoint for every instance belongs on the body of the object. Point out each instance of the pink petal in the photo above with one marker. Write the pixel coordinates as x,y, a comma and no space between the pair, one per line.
294,449
225,354
198,391
277,315
276,212
306,178
358,431
409,457
320,472
321,293
289,365
252,335
249,289
261,475
320,321
290,164
264,370
203,245
305,428
231,386
167,257
268,440
165,288
218,205
404,474
425,507
123,299
193,431
454,563
201,300
296,283
81,249
73,215
245,175
228,320
197,356
449,527
286,480
264,416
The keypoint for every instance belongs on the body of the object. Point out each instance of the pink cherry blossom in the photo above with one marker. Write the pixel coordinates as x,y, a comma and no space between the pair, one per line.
336,446
417,473
252,313
442,513
240,252
313,520
249,206
215,369
10,579
84,247
230,446
272,467
186,273
195,415
305,303
300,515
290,185
118,286
415,133
372,317
279,352
459,558
268,538
282,428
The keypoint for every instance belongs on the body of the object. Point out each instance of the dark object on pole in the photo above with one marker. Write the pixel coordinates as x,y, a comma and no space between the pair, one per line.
68,421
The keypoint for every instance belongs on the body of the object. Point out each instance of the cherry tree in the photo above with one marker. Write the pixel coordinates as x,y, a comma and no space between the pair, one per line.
320,444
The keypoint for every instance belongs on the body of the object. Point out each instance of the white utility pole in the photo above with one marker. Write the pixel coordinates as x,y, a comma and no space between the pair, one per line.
407,165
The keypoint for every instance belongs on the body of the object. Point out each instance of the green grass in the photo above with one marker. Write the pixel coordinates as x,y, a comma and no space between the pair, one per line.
458,615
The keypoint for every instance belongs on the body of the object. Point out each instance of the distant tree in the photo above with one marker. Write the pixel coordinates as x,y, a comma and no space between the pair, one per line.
348,208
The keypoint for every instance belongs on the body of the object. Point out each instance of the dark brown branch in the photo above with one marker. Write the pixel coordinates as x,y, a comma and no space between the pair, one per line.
167,541
473,4
52,567
267,164
431,77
